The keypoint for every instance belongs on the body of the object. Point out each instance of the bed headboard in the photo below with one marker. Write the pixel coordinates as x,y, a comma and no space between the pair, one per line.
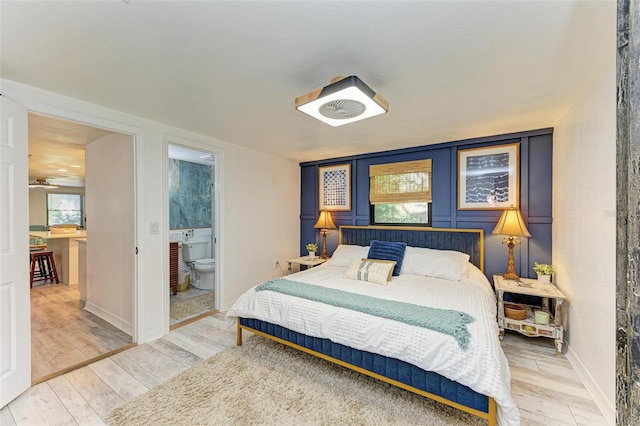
470,241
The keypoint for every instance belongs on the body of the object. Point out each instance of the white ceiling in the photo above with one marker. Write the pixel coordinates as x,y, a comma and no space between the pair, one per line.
56,149
232,69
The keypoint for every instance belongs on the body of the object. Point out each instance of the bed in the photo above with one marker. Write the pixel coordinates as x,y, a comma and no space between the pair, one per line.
466,371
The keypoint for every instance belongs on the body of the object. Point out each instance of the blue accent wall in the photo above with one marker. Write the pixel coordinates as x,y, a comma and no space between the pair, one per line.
536,159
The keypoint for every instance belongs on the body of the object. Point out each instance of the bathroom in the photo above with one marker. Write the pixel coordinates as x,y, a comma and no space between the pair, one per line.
192,202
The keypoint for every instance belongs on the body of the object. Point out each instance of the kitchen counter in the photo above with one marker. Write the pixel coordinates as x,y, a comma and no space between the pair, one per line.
48,235
65,252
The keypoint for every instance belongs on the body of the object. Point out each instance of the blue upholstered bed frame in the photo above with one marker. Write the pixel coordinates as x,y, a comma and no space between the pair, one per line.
470,241
393,371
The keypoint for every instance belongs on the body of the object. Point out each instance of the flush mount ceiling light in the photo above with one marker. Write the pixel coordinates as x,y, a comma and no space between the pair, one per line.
42,183
345,100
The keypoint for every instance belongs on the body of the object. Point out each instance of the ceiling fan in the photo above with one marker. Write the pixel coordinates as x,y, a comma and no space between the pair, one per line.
42,183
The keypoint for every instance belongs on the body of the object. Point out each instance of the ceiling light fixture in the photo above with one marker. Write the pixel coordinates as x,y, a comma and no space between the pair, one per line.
345,100
42,183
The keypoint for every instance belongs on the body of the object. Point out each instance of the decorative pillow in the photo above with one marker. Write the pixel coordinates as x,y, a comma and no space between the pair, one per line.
345,253
385,250
364,259
373,272
447,264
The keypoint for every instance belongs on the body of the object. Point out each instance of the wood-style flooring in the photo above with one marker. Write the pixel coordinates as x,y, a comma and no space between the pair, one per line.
63,334
544,386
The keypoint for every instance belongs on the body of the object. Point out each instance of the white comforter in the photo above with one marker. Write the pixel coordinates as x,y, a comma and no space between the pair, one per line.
483,366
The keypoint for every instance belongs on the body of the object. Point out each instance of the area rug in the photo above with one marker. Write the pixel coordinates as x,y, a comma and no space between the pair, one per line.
196,305
267,383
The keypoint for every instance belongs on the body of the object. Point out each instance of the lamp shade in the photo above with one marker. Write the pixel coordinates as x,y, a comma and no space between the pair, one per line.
343,101
511,223
325,221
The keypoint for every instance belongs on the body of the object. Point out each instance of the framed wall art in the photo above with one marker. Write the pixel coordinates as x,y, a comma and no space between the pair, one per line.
488,178
334,187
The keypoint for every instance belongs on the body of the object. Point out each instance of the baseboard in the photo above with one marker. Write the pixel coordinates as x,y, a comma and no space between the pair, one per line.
110,318
608,410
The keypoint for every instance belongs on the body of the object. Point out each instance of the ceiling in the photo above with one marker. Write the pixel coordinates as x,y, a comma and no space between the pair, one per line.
56,149
231,69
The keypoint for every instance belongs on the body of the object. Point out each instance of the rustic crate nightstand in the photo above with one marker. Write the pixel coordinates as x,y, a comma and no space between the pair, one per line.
528,326
306,261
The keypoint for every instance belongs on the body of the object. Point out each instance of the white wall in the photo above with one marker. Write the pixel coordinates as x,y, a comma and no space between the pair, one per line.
38,202
265,204
584,233
259,199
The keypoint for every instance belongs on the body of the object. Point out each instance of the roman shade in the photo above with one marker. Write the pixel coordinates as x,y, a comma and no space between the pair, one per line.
405,182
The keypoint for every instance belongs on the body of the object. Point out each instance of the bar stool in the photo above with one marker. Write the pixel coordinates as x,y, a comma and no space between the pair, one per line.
46,267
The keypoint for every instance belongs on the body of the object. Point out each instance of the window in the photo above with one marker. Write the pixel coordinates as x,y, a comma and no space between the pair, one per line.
400,193
65,209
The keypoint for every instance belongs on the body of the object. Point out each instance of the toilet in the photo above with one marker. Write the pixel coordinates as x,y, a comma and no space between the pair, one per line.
193,253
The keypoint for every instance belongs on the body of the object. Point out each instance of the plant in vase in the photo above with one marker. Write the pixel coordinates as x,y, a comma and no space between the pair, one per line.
312,248
544,271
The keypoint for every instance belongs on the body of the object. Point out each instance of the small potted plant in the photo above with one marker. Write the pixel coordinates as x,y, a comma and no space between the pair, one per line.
312,248
544,271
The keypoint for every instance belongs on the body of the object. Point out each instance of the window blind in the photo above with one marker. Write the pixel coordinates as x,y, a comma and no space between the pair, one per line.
405,182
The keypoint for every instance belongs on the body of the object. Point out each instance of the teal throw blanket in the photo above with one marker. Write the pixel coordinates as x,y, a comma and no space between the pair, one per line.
453,323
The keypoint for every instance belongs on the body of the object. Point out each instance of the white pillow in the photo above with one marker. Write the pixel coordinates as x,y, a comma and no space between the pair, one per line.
378,272
447,264
345,253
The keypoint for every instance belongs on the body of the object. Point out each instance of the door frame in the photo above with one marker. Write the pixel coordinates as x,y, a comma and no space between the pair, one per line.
138,141
169,139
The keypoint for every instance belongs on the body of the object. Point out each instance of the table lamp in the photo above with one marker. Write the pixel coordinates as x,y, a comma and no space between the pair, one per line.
324,223
512,225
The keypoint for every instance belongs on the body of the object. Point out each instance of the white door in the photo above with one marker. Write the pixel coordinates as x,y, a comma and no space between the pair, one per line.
15,320
111,212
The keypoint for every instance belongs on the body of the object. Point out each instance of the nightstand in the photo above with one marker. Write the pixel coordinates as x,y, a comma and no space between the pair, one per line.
306,261
528,326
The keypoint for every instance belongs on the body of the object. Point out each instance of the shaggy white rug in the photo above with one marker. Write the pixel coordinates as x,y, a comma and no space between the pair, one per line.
267,383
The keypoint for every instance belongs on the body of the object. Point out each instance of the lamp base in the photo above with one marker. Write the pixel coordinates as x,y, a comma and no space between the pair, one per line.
511,276
511,270
324,254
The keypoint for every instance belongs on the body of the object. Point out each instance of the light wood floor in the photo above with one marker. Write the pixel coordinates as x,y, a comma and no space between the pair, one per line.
544,386
63,334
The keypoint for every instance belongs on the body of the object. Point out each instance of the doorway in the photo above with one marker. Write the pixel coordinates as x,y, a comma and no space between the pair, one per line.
193,200
76,321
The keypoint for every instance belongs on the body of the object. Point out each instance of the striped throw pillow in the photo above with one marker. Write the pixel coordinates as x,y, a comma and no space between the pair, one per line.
373,272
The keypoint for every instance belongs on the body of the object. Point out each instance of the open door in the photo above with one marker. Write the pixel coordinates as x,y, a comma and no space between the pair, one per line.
111,244
15,320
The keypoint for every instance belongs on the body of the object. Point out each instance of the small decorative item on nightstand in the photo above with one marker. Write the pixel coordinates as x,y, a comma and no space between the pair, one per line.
515,311
544,271
312,249
541,317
